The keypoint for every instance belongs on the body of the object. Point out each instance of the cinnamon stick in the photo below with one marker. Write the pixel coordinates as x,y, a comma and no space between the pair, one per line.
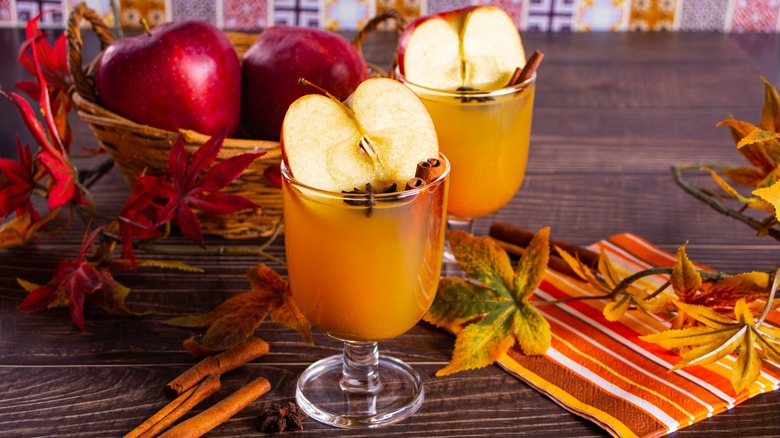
220,412
429,170
522,237
223,362
528,70
554,262
176,409
414,183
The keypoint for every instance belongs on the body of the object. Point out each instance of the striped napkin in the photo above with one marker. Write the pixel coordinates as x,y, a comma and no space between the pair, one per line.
602,371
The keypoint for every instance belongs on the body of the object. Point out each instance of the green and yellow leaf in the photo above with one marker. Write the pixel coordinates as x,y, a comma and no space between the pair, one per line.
531,330
493,302
483,261
532,266
482,343
459,300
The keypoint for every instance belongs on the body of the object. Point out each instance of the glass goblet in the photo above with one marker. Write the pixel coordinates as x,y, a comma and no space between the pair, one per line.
363,268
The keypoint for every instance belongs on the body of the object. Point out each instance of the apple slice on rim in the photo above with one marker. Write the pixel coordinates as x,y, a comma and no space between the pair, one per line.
491,48
477,47
377,136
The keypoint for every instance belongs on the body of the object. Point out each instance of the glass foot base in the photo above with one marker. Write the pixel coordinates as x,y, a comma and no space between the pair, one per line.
320,394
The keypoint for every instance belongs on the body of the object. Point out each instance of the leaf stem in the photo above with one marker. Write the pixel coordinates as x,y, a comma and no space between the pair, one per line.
214,250
716,204
771,298
230,250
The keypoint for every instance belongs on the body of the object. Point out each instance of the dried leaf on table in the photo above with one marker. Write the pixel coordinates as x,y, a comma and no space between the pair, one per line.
233,321
73,280
494,298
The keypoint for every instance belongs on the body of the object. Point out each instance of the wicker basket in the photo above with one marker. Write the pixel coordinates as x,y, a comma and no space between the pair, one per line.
137,149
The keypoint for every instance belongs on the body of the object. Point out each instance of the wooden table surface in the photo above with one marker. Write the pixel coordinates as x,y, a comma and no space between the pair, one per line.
613,113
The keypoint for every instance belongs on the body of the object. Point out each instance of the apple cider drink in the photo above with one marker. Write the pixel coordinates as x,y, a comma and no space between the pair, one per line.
362,272
485,135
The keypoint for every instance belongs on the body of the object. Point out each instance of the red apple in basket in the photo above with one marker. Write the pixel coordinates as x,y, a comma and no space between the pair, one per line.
378,136
477,47
281,55
182,75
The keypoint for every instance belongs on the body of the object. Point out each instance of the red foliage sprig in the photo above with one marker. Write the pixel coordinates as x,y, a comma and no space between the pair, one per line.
192,181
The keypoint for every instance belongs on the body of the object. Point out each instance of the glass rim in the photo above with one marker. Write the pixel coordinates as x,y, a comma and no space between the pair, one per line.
506,90
399,194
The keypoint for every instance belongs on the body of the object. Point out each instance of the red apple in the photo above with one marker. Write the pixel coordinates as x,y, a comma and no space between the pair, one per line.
378,136
476,47
184,75
283,54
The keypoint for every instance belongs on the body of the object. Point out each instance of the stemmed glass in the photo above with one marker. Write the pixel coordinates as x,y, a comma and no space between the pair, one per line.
485,135
363,268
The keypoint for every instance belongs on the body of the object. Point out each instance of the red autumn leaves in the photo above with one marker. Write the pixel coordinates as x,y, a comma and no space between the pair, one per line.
193,181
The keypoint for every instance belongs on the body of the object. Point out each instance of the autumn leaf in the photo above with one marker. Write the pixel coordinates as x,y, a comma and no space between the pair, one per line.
21,229
685,279
73,279
193,183
745,176
495,297
237,318
753,202
771,195
718,337
17,181
770,113
51,62
605,278
754,153
722,295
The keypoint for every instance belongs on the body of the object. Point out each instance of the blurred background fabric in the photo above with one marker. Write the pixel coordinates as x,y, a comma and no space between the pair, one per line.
730,16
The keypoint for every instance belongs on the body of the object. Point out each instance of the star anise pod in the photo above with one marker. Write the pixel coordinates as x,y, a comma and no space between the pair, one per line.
365,198
278,417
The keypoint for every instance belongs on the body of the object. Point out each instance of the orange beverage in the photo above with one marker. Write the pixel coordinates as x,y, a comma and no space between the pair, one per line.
485,135
364,272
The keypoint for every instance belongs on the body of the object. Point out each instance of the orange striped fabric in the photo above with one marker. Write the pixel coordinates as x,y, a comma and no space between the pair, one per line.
601,370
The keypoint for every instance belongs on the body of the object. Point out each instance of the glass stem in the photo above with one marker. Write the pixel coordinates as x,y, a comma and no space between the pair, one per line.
361,368
450,264
460,223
